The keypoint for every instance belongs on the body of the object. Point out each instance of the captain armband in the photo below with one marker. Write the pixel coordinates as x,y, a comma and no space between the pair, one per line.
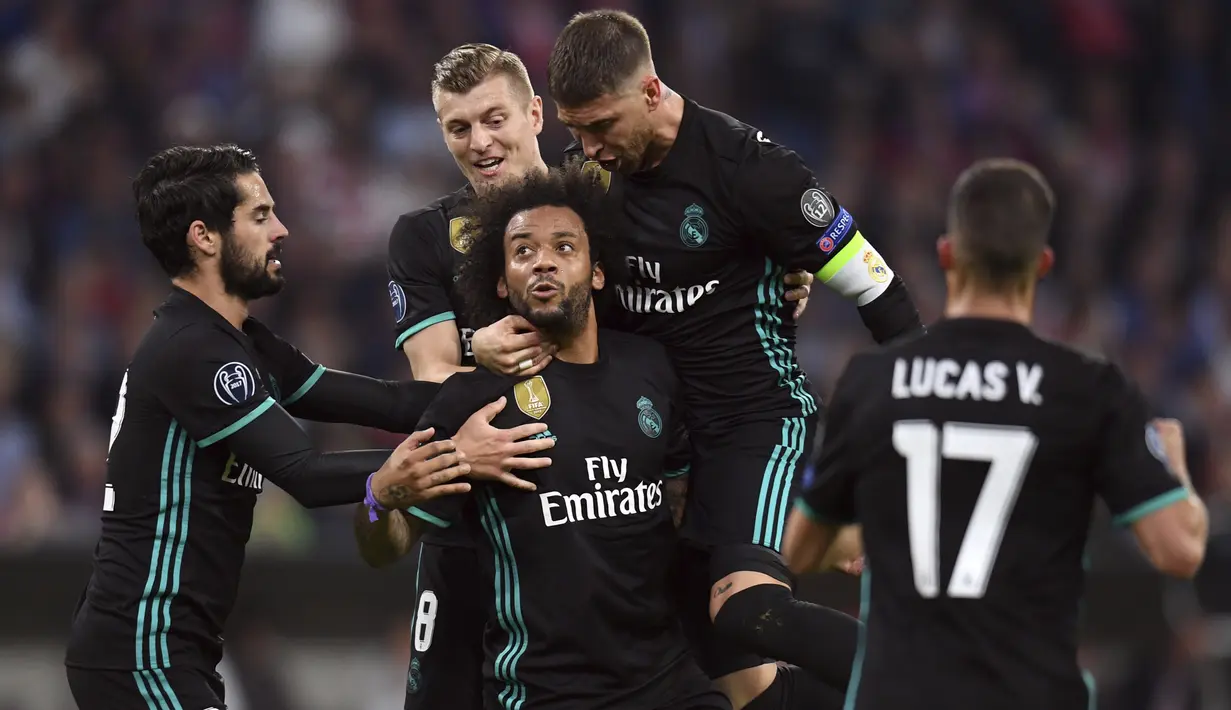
857,271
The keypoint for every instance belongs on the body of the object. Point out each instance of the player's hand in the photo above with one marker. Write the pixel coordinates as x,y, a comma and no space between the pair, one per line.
493,453
1171,435
799,285
852,567
511,346
419,470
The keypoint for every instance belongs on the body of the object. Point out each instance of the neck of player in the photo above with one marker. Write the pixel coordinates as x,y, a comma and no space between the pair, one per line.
581,349
973,302
207,286
666,123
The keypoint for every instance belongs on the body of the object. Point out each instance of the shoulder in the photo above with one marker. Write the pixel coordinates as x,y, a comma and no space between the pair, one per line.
737,142
478,385
432,220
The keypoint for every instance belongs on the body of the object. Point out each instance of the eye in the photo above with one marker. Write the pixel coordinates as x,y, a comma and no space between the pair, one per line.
496,121
565,247
458,131
522,250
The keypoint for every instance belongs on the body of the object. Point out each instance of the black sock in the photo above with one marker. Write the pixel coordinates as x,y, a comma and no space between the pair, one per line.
794,689
768,619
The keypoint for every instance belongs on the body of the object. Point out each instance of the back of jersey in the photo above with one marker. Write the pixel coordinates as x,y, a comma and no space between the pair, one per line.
972,456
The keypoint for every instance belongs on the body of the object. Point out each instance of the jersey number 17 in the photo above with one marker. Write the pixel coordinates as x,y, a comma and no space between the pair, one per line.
1008,450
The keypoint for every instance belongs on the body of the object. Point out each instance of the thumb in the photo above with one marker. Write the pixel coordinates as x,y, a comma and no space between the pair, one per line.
490,411
418,439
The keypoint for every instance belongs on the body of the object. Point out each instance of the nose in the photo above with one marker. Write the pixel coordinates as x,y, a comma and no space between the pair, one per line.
480,139
545,262
591,146
280,231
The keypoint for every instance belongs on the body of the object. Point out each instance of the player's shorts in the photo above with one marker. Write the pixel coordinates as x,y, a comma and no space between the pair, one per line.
710,699
446,644
186,689
741,489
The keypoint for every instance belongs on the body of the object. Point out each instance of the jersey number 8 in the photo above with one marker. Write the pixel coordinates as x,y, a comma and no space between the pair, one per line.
1008,450
425,621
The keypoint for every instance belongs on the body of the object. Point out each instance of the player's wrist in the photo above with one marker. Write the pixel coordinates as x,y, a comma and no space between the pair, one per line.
374,505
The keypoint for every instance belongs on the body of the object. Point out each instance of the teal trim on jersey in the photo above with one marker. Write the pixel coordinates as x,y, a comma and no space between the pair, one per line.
865,604
776,484
422,325
508,604
1091,689
170,536
307,385
245,421
1158,502
426,516
682,471
777,348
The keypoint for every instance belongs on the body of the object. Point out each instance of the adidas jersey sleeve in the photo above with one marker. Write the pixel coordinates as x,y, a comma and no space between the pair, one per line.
209,383
419,277
1132,475
293,373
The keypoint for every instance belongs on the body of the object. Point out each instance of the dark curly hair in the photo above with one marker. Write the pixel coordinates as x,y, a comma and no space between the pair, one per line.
571,186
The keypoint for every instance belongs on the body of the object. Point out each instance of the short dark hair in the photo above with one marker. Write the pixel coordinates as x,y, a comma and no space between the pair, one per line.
595,54
570,186
180,185
1000,213
467,66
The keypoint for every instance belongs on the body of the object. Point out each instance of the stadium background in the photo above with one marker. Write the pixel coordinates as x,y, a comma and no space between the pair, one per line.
1124,104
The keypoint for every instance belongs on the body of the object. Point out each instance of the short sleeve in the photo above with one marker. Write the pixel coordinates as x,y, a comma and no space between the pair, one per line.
211,385
419,278
293,374
831,496
1132,475
459,397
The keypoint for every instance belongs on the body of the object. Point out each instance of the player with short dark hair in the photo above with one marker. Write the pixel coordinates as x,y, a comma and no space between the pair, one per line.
972,456
716,213
206,412
581,614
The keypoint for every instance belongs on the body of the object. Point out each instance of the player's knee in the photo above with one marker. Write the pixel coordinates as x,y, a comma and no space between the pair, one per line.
753,614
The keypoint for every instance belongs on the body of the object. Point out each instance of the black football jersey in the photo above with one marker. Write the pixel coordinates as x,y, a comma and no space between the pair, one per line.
710,234
426,248
177,509
972,457
581,616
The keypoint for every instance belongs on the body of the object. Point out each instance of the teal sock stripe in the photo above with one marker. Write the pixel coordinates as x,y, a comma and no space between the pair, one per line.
779,474
166,563
865,603
508,604
778,349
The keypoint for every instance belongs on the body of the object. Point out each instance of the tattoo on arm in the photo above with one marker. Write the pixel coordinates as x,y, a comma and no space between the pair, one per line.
722,590
399,497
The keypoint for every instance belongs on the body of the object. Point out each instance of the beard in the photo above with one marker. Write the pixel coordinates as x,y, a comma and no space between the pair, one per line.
246,277
561,323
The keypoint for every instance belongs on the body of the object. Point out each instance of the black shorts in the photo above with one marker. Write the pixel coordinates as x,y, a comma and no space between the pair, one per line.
446,635
174,688
741,485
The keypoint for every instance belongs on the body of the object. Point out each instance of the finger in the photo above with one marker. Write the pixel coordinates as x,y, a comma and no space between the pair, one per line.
451,489
517,463
794,278
537,367
444,476
489,411
518,433
798,293
512,481
416,439
518,324
513,357
429,451
531,446
799,309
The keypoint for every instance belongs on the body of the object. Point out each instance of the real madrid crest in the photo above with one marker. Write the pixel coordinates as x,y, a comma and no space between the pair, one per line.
648,418
876,268
532,396
591,167
693,230
459,237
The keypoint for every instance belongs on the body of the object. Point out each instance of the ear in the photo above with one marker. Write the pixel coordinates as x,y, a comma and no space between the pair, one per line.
536,114
598,279
200,238
944,252
1047,260
502,289
652,89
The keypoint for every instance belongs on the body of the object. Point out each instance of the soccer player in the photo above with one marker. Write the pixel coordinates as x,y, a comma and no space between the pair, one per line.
716,213
205,414
972,457
581,615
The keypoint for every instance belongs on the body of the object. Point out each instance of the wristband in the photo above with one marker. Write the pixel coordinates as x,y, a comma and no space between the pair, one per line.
369,499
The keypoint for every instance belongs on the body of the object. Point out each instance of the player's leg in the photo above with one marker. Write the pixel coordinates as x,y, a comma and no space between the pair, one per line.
146,690
446,645
751,601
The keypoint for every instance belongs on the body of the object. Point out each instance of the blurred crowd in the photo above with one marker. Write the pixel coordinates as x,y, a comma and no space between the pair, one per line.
1119,102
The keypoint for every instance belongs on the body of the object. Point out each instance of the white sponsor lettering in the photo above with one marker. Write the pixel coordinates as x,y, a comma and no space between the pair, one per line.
605,502
243,475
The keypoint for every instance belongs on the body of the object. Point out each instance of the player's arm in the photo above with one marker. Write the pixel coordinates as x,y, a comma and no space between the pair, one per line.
206,379
676,465
317,393
424,322
803,227
819,533
1143,477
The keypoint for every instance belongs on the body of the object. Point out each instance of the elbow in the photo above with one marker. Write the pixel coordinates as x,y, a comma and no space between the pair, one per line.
1183,558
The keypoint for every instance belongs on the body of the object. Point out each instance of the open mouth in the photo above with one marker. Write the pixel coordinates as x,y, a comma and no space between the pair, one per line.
274,257
545,290
609,164
489,166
